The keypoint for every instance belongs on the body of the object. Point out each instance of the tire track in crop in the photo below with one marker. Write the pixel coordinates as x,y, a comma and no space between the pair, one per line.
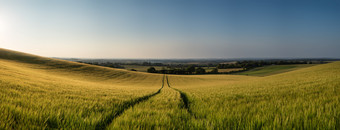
184,98
124,106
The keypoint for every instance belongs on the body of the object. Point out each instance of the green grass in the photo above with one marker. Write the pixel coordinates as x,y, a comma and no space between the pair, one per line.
273,69
208,69
44,93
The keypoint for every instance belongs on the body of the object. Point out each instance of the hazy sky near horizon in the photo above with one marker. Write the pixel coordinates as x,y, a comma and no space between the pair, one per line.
172,28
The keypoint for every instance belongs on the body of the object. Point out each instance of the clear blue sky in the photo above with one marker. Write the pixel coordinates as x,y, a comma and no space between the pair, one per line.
172,28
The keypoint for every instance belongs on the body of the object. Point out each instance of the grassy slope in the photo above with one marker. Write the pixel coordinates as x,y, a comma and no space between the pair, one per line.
303,99
273,69
38,92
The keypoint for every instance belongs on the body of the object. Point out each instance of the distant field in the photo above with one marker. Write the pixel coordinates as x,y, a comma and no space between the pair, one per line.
208,69
273,69
45,93
229,70
140,68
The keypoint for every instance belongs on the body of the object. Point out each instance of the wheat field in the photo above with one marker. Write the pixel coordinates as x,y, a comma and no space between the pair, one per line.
46,93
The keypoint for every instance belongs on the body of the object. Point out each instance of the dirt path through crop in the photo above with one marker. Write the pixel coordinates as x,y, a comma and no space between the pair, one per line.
184,97
164,105
118,110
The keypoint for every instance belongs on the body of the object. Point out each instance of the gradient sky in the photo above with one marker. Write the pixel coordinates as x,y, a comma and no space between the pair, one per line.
172,28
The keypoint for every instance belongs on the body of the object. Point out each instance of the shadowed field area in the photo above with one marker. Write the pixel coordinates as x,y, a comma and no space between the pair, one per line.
45,93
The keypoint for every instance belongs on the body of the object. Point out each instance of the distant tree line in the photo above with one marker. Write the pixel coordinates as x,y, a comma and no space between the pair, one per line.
252,64
192,69
188,69
152,64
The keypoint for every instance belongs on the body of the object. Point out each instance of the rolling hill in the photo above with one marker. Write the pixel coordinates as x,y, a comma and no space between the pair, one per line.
38,92
45,93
